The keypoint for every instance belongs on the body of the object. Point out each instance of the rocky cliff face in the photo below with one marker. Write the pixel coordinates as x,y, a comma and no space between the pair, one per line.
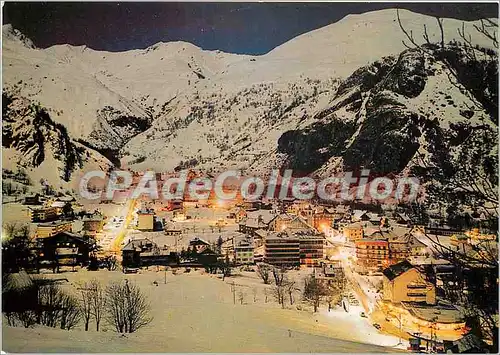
29,130
384,112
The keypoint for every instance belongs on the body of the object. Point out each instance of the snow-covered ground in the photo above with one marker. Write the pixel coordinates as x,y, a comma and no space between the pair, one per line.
195,313
362,326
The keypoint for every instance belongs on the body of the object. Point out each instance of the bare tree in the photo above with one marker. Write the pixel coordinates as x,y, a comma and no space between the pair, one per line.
279,275
71,313
473,284
50,302
26,317
241,296
279,292
254,293
97,301
313,291
264,272
290,289
127,307
85,304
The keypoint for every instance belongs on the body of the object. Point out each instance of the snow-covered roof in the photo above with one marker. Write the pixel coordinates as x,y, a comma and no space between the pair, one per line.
358,214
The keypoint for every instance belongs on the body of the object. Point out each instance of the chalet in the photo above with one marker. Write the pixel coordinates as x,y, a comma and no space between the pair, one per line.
249,204
207,257
65,199
401,241
360,216
237,213
172,229
404,245
59,206
440,230
322,218
199,244
173,205
374,218
65,248
144,252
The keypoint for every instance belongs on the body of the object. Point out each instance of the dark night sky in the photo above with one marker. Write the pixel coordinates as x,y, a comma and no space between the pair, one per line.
252,28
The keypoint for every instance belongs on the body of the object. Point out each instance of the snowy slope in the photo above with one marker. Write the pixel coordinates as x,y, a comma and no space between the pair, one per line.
176,105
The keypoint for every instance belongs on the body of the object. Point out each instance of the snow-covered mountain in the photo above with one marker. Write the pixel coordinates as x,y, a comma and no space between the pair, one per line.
341,96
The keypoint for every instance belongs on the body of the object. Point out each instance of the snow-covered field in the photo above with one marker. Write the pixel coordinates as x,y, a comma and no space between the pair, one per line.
195,313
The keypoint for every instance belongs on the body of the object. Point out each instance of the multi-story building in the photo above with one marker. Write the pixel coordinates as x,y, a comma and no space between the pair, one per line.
42,214
401,247
403,282
282,248
312,248
50,229
372,254
409,302
402,244
294,248
353,231
243,250
322,218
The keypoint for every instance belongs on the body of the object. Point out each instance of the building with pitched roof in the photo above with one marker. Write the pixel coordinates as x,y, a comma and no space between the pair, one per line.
243,246
290,222
402,282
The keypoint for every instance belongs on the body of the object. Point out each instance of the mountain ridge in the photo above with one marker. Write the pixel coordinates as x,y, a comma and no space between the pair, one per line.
315,103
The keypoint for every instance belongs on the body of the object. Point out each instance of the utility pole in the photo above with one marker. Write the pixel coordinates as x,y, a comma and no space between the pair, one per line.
400,327
233,290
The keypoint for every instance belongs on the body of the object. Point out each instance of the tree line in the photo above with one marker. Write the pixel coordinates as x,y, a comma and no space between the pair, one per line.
28,301
313,291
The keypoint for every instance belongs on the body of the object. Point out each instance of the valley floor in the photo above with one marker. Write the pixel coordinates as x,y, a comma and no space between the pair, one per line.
195,313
